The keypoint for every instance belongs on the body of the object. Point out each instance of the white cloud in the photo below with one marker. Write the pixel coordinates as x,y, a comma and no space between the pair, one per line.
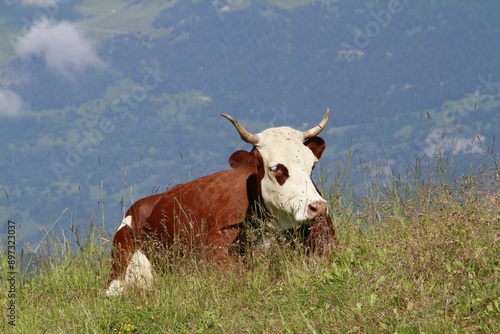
62,44
10,103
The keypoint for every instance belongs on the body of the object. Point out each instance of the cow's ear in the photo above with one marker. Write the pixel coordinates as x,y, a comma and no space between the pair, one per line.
240,157
316,145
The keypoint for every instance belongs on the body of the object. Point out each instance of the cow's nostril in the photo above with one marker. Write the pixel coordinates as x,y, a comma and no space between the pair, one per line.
317,209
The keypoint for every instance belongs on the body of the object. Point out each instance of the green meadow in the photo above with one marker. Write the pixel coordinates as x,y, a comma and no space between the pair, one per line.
420,255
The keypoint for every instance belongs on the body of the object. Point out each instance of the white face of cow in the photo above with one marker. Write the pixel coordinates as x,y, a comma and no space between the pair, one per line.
287,189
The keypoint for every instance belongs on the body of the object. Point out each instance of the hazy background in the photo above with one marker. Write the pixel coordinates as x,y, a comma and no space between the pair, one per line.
105,102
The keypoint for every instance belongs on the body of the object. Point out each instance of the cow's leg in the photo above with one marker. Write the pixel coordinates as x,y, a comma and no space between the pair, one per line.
130,266
219,244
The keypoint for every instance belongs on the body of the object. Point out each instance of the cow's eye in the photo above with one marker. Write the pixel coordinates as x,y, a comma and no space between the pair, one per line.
280,173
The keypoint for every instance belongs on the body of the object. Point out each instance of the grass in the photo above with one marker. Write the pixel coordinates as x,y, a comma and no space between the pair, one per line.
420,256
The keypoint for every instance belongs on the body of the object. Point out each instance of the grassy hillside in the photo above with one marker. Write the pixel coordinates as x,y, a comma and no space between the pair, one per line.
416,257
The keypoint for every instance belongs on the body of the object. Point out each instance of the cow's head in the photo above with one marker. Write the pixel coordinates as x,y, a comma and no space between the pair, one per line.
288,157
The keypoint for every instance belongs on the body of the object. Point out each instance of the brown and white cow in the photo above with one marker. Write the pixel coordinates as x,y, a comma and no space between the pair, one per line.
212,214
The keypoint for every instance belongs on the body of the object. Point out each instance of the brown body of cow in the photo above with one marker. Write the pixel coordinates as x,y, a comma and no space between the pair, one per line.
212,215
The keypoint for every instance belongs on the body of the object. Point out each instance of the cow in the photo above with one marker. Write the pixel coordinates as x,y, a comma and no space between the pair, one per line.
212,215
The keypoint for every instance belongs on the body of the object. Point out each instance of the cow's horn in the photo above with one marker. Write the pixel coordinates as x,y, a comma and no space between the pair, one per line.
244,134
318,128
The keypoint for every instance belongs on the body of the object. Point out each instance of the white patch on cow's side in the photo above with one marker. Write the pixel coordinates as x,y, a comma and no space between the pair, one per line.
288,202
139,274
127,221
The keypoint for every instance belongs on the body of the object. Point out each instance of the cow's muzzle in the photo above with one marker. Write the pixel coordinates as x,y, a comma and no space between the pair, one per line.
317,210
